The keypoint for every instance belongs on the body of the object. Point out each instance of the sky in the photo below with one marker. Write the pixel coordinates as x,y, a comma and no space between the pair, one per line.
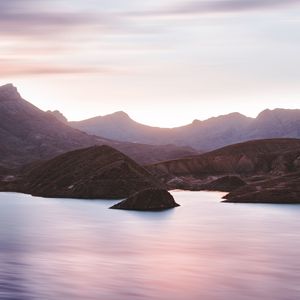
164,62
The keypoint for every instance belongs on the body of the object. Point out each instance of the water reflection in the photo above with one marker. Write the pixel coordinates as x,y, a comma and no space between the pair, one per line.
76,249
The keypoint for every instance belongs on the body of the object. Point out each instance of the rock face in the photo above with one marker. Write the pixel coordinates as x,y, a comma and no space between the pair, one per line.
96,172
148,200
225,184
58,115
204,135
282,189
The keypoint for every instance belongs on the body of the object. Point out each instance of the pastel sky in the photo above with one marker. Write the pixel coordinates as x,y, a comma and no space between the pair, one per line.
164,62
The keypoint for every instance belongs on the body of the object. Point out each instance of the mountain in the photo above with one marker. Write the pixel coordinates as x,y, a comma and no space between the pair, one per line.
28,133
205,135
260,171
250,160
122,128
95,172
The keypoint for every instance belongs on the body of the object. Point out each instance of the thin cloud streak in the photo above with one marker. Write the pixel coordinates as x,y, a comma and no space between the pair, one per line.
56,38
68,37
36,19
217,7
21,69
40,25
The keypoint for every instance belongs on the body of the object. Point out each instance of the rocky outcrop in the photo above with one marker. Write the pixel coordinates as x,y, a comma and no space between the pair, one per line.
282,189
98,172
225,184
58,115
148,200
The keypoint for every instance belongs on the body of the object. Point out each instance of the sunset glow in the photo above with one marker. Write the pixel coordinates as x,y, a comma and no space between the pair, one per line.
163,62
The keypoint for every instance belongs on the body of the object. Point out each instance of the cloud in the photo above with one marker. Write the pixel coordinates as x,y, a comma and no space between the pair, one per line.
52,33
13,68
217,6
47,18
65,35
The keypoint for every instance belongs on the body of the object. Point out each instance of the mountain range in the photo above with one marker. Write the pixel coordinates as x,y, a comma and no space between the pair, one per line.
37,154
28,134
204,135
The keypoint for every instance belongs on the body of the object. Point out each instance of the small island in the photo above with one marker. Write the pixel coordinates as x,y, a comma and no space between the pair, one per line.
148,200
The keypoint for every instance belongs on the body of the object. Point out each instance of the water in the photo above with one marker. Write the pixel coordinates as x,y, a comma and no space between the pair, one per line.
78,249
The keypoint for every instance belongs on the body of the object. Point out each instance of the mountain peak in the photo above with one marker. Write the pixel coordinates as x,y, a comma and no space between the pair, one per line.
120,114
9,92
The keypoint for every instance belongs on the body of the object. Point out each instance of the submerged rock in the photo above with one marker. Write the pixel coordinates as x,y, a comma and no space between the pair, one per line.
148,200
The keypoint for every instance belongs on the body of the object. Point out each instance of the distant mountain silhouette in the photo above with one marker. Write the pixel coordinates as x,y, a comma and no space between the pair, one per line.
205,135
28,133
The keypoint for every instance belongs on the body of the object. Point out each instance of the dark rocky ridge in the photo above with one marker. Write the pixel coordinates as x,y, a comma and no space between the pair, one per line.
28,134
282,190
98,172
205,135
225,184
273,156
148,200
265,171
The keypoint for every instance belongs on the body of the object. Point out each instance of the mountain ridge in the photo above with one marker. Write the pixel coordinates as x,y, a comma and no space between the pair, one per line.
265,158
207,135
28,134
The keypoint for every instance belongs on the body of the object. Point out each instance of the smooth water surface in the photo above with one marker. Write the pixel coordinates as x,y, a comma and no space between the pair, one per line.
78,249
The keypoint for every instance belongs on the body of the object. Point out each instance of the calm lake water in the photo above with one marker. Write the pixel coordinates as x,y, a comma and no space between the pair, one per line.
65,249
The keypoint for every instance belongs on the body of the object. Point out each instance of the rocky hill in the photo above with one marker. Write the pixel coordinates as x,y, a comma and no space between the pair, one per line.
95,172
274,156
204,135
263,171
282,189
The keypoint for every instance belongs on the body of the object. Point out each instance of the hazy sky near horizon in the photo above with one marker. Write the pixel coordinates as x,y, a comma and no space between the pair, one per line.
164,62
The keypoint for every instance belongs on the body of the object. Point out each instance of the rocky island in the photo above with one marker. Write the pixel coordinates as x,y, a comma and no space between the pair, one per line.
148,200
